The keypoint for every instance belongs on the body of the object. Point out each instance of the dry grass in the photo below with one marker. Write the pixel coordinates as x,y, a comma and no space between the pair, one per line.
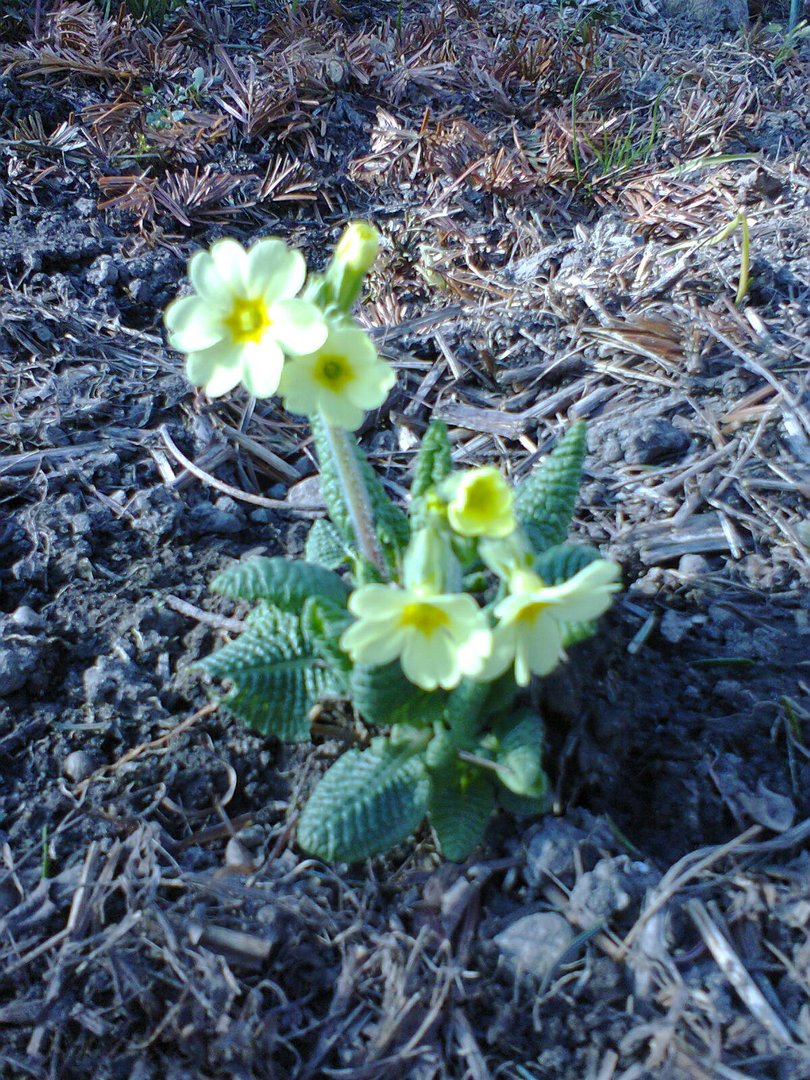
548,188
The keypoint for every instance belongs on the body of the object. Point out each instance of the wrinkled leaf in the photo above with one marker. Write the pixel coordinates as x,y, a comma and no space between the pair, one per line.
462,798
544,501
367,802
286,583
277,675
325,546
383,696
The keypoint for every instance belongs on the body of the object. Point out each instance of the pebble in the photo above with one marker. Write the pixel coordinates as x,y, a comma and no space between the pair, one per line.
306,492
27,619
103,271
236,855
214,520
692,566
534,944
608,889
674,626
551,850
651,439
18,661
77,766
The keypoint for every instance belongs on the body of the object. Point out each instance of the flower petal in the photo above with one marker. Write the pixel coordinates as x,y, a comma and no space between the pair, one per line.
208,282
262,366
275,272
541,646
371,387
200,365
474,653
502,655
378,600
224,377
372,644
587,594
298,326
231,262
430,662
353,342
337,410
192,324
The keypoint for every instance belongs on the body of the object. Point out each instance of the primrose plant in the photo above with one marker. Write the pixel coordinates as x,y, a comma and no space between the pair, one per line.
430,621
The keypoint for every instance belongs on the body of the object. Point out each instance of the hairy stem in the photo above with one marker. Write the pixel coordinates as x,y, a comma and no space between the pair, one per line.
356,495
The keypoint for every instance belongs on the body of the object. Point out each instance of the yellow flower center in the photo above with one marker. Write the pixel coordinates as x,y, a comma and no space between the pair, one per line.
425,618
248,320
480,497
529,614
333,372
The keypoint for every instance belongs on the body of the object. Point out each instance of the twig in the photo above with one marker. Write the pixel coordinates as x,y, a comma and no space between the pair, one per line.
208,618
144,748
734,970
228,489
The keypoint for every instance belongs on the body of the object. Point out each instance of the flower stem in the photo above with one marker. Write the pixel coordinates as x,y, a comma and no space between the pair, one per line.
356,495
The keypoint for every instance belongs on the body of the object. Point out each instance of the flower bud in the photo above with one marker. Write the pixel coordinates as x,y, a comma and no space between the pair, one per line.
430,565
354,254
480,503
508,556
357,247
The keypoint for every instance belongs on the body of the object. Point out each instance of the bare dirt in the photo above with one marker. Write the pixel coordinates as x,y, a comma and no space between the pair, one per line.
551,183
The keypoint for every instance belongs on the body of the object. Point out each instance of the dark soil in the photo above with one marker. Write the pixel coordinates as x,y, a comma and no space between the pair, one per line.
156,917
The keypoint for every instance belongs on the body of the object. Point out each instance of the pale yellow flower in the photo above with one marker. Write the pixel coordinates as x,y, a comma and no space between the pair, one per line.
438,639
481,504
358,246
243,316
531,622
341,381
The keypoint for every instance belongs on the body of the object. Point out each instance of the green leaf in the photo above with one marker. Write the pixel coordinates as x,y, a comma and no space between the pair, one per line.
462,798
544,501
433,462
383,696
277,674
563,561
522,806
557,565
518,753
325,546
286,583
465,706
390,522
323,622
365,804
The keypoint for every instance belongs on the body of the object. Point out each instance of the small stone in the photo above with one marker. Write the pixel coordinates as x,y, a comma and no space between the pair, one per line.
206,519
27,619
18,661
692,566
674,626
407,439
236,855
534,944
651,440
306,492
609,889
551,850
103,271
77,766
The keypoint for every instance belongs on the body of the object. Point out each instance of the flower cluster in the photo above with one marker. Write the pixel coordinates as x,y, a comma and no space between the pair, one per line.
255,318
440,635
248,322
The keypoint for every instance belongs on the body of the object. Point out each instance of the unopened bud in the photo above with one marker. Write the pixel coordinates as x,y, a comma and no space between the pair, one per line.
358,246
